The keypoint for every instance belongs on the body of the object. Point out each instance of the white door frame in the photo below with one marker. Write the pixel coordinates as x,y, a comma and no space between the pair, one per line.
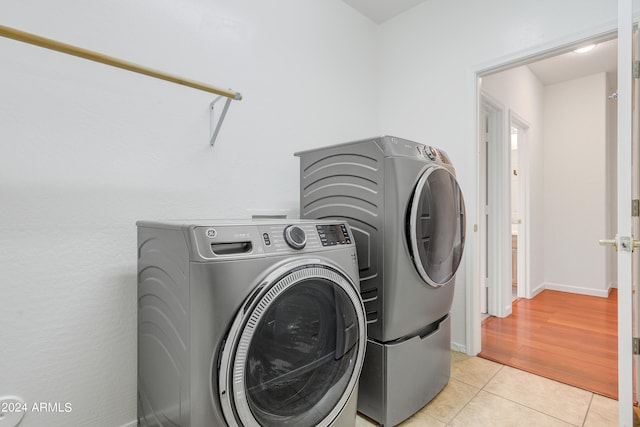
495,224
483,143
524,285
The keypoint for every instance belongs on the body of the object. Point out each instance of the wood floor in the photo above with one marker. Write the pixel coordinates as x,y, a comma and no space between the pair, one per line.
566,337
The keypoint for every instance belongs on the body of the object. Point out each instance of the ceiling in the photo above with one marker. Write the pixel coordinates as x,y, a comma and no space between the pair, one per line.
571,65
382,10
556,69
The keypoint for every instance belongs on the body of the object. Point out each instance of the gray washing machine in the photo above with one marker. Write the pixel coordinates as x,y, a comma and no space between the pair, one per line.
244,323
407,214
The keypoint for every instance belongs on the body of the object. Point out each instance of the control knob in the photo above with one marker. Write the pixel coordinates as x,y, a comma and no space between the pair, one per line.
430,152
295,237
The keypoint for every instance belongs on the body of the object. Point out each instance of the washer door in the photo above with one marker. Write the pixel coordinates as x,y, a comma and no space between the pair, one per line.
436,226
295,350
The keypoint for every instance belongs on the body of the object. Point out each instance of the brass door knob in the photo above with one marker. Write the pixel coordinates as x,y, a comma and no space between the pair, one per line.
623,243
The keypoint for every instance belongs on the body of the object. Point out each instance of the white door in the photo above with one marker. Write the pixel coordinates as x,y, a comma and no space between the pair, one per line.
635,219
623,240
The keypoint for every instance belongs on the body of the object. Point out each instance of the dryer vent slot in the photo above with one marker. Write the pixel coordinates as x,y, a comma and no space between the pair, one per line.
232,248
372,316
369,295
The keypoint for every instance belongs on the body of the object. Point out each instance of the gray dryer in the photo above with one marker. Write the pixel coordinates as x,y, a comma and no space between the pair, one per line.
407,214
245,323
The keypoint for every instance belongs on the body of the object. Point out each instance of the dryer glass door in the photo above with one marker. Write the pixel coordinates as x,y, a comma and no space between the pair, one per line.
436,226
299,351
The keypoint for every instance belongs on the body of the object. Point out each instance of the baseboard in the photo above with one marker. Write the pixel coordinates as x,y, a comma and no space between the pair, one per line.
603,293
459,347
537,289
131,424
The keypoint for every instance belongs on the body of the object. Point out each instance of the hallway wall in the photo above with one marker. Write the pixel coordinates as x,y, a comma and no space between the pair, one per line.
575,185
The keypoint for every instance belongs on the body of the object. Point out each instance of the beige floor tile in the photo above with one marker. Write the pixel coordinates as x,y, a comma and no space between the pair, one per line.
474,371
559,400
421,419
457,356
450,401
418,420
363,422
603,412
488,410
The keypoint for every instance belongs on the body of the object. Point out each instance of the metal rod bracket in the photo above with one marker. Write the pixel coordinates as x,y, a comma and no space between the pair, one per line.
68,49
212,141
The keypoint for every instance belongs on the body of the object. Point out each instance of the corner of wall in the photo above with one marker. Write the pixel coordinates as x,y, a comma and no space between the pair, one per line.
459,348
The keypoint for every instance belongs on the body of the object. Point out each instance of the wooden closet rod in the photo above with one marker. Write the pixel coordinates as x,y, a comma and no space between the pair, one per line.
22,36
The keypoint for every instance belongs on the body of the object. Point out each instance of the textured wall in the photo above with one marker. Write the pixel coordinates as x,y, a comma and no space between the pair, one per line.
86,150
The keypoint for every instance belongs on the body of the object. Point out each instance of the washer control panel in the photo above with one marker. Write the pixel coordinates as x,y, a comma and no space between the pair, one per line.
430,152
296,237
231,239
333,234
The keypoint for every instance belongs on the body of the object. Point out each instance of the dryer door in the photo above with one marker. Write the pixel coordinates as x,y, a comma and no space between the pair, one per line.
436,226
295,350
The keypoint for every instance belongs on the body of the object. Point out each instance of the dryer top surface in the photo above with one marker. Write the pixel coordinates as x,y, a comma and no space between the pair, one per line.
387,146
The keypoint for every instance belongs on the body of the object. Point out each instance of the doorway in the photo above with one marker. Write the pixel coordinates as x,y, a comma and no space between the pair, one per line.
536,179
547,161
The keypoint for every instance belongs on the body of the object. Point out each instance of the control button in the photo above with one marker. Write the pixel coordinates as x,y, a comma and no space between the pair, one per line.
267,241
295,237
430,152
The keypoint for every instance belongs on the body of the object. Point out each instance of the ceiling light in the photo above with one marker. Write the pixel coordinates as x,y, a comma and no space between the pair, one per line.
585,49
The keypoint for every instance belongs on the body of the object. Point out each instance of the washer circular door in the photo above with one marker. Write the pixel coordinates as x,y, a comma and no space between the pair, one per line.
436,226
295,350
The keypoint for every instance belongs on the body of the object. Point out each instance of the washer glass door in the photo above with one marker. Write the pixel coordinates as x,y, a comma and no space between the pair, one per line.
298,351
436,226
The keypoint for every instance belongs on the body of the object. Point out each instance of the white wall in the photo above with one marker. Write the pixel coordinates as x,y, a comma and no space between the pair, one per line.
86,150
520,92
575,190
429,58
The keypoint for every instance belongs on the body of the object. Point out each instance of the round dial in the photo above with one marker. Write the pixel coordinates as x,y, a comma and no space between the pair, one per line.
295,237
430,152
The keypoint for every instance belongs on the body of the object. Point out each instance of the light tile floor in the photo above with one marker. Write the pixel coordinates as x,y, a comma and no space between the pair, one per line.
482,393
